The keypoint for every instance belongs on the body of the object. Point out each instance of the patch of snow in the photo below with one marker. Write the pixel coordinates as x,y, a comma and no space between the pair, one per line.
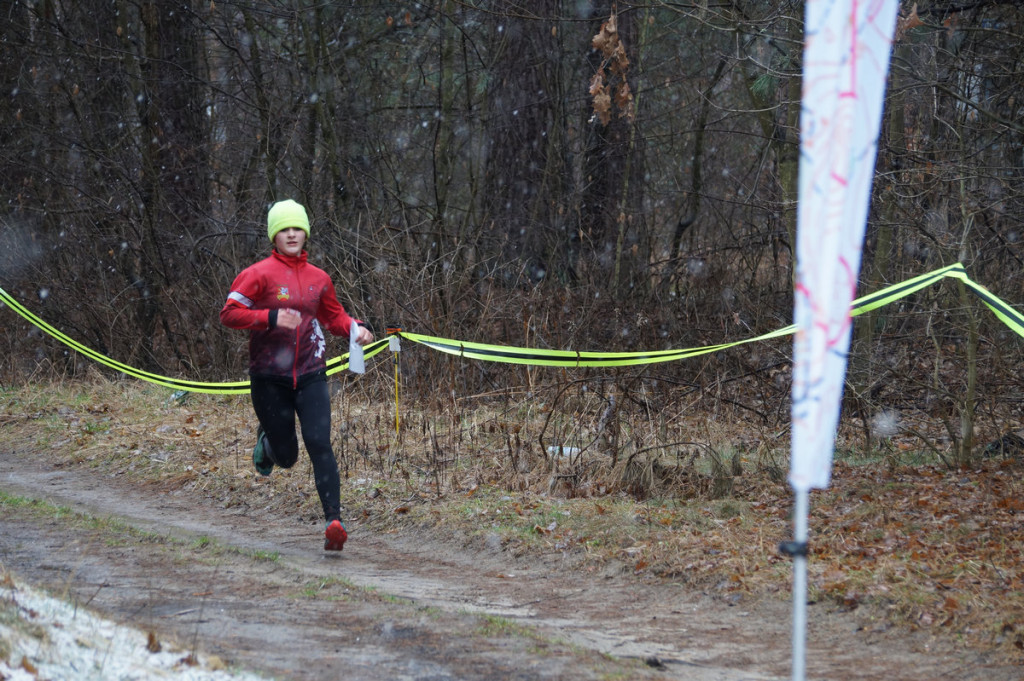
47,638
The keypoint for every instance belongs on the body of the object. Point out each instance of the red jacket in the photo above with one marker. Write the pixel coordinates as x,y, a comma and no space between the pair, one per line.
278,282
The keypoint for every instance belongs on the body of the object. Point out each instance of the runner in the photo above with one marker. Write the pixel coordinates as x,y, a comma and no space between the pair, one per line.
285,302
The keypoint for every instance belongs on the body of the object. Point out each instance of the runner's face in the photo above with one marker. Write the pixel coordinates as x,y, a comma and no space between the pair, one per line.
289,241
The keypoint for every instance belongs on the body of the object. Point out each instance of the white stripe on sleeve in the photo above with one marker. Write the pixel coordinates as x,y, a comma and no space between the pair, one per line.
236,296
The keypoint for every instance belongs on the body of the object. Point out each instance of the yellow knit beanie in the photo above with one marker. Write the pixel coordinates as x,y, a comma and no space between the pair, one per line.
285,214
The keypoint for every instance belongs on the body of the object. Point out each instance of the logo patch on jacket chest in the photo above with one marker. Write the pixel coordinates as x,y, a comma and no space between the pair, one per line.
282,293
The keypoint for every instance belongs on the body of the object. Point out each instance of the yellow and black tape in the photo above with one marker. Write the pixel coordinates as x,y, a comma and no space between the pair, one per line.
570,359
1010,316
1001,309
1006,313
334,365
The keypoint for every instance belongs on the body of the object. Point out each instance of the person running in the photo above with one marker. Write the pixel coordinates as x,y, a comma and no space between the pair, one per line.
285,303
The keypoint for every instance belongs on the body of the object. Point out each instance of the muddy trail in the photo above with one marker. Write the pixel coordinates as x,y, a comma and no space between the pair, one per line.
256,591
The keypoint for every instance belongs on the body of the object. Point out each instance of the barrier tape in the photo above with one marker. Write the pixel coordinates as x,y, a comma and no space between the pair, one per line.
1007,314
334,365
575,359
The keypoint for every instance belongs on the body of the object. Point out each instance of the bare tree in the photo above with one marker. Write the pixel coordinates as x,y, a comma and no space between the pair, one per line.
600,175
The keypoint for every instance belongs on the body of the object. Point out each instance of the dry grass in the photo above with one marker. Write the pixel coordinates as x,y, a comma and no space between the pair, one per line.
655,495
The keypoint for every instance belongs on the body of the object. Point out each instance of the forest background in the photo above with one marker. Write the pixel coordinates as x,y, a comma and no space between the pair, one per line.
567,174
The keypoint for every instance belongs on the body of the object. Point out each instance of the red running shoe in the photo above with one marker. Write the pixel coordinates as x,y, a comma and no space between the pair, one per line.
335,536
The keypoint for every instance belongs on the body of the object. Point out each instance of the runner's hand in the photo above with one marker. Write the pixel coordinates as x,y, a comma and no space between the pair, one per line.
363,336
287,318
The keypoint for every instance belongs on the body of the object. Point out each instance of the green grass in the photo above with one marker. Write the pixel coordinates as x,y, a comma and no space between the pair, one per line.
261,555
498,626
116,532
331,589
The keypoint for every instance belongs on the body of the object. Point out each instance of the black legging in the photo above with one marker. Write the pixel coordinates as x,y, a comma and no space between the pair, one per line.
276,403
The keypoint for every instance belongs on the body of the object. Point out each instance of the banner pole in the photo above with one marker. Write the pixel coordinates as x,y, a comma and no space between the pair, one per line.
395,345
799,551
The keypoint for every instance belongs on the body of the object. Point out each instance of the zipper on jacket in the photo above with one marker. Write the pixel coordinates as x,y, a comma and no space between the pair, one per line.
298,331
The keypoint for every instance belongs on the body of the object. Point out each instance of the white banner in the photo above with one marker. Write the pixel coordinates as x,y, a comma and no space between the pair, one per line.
356,358
846,62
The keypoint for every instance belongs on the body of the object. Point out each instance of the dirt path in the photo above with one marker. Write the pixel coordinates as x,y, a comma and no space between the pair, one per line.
396,608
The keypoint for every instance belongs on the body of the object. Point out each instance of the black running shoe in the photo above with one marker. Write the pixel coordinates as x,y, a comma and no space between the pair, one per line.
260,458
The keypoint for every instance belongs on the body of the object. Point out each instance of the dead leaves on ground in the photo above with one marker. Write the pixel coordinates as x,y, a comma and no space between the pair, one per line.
924,547
936,547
